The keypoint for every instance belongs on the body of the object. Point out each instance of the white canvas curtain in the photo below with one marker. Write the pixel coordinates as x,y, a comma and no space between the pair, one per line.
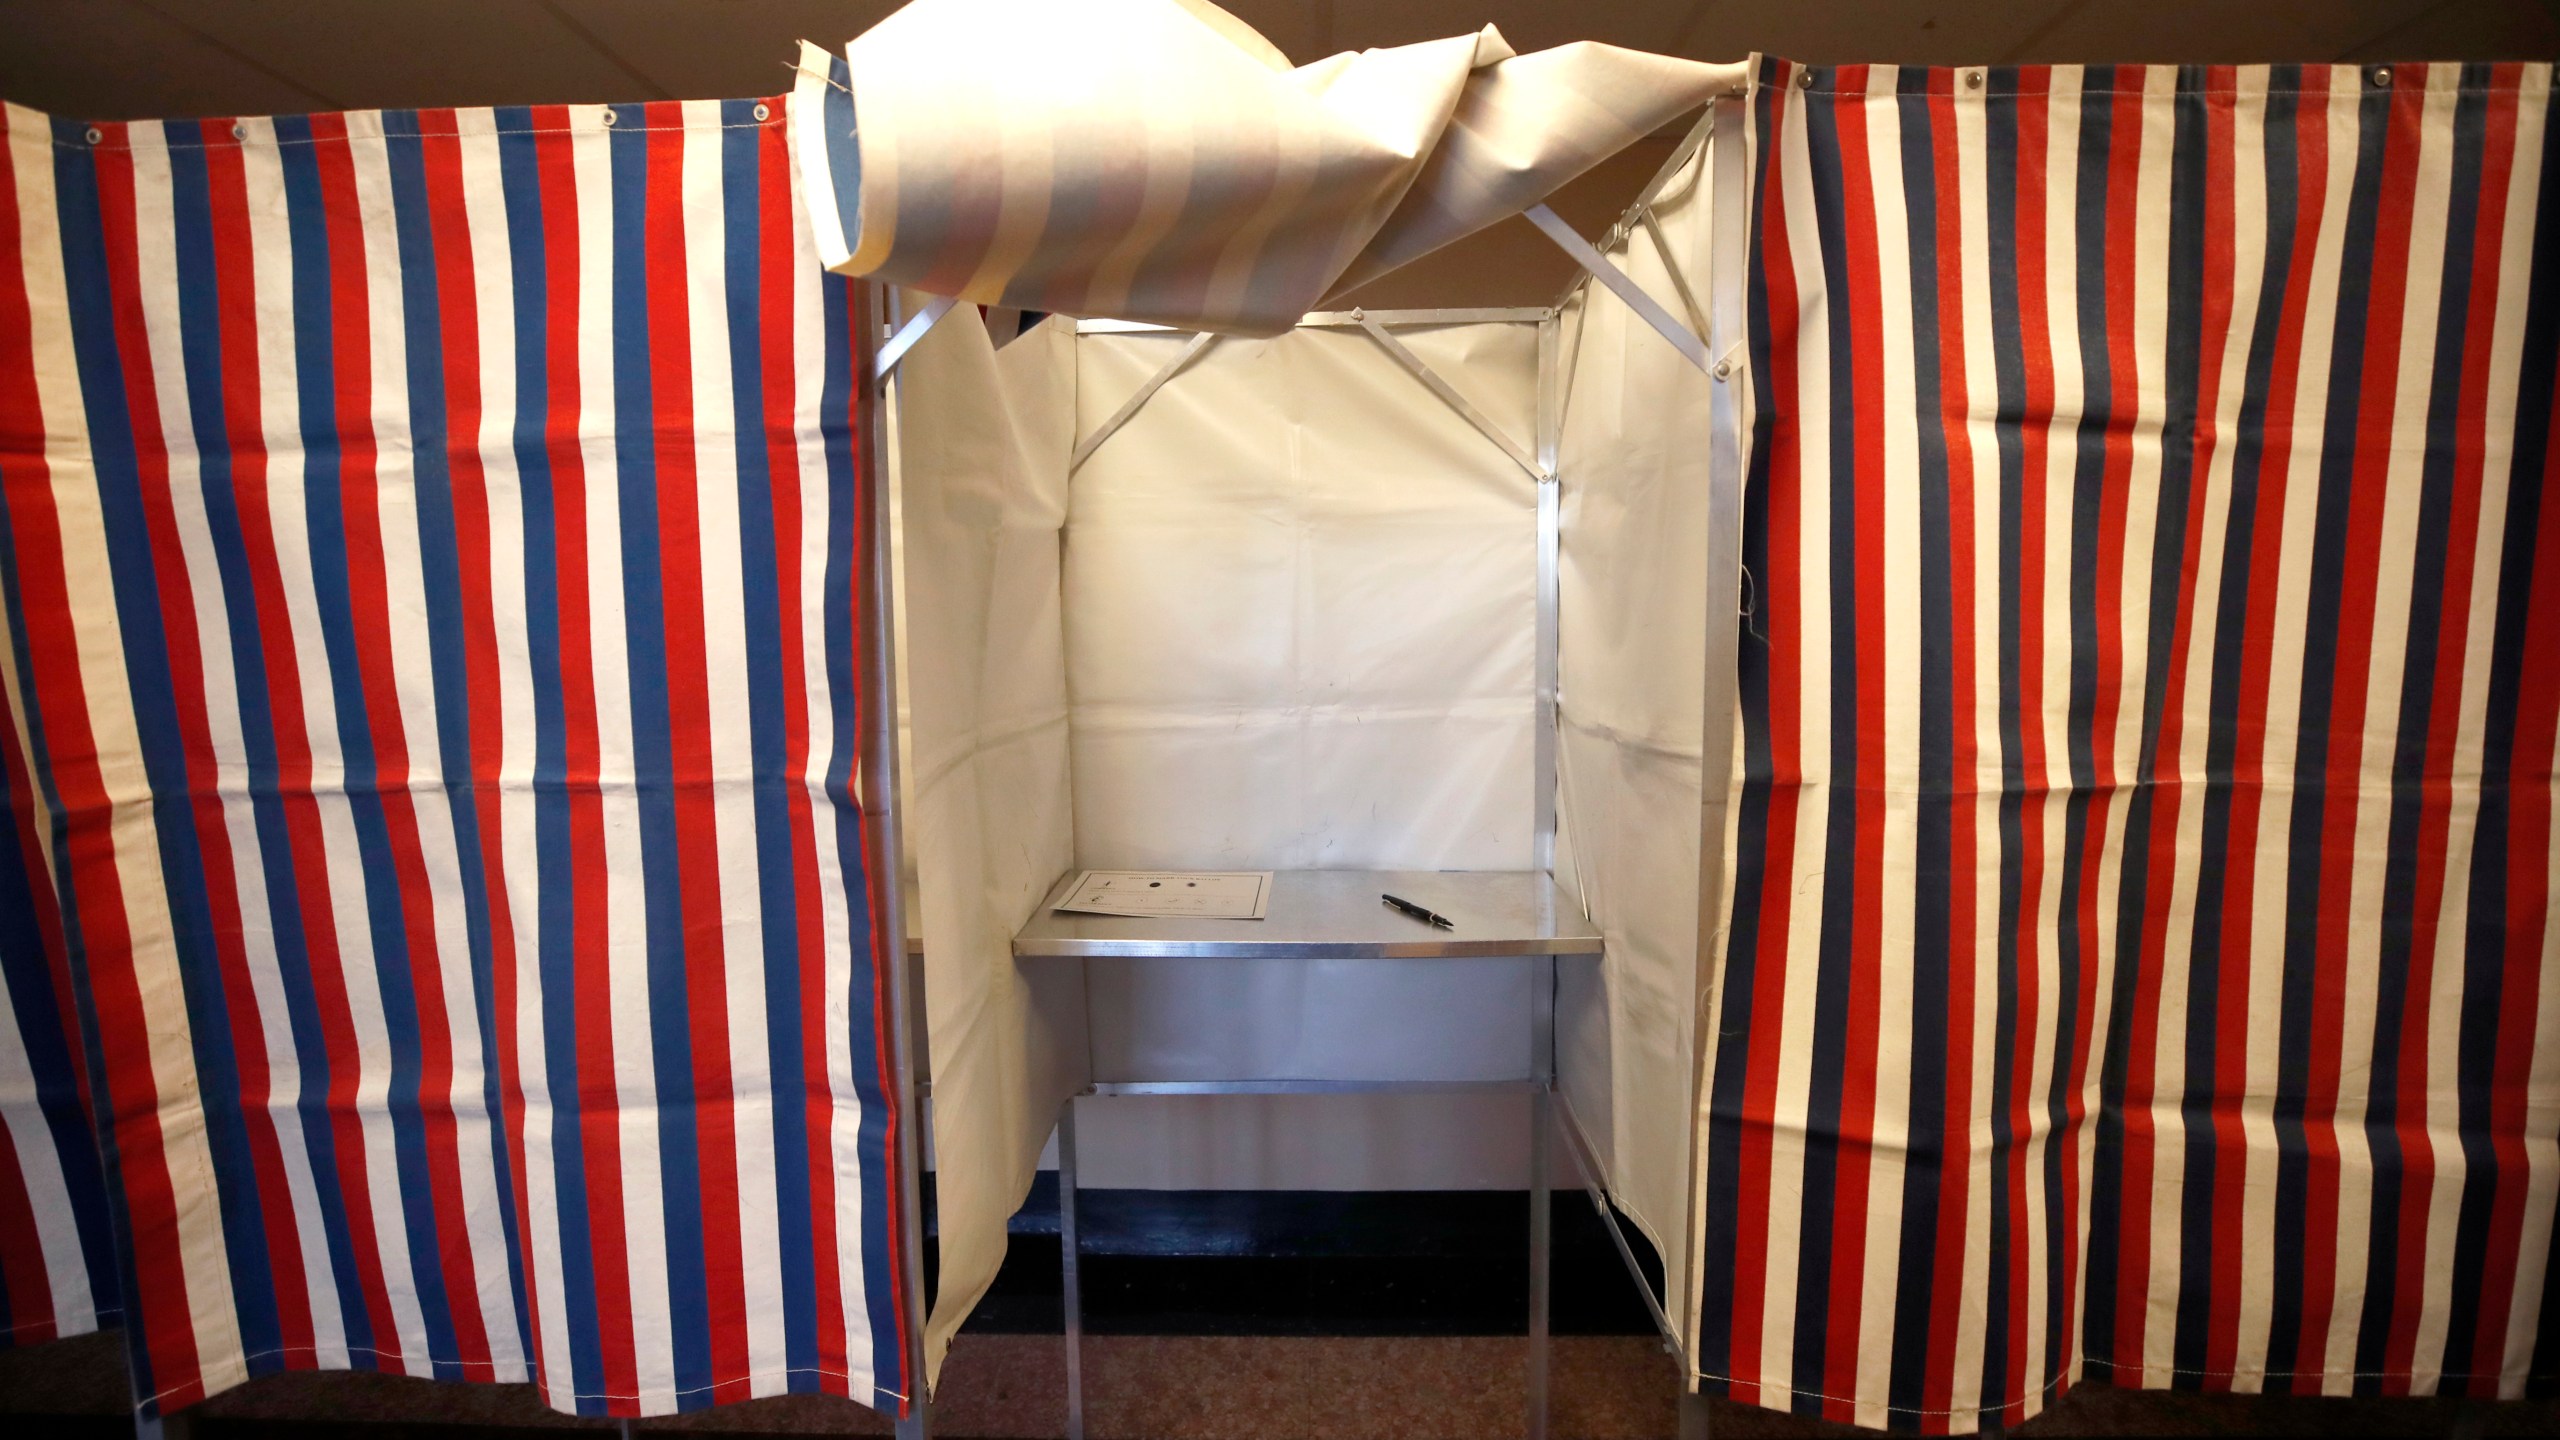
1158,160
983,439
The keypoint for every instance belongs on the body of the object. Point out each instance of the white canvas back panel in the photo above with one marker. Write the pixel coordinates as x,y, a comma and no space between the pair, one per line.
1301,623
1631,618
1301,606
983,440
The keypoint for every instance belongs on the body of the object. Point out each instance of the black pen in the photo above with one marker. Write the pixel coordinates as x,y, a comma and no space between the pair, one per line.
1417,912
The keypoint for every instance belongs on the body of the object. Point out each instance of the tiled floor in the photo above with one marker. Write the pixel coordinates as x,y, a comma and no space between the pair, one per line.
1199,1388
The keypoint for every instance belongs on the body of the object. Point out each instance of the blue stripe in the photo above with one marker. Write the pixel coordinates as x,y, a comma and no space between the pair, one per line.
835,427
743,234
843,149
325,482
555,915
635,439
146,657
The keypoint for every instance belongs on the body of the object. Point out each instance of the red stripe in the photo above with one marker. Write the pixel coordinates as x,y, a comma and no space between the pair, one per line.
1758,1120
781,323
599,1101
25,1281
1861,290
689,752
1955,1139
2018,1045
222,881
56,689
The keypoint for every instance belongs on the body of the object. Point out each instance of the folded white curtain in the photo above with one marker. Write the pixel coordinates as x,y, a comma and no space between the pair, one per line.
1158,160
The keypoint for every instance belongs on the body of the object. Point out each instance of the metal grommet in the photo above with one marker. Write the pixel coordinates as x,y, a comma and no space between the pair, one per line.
97,136
1804,78
239,132
764,112
1973,79
609,117
2382,75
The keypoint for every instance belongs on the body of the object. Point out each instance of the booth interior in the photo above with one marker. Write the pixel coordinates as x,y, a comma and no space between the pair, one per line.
1394,591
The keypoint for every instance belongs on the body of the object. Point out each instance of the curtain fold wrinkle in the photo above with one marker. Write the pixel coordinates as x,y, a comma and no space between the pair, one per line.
427,547
2141,955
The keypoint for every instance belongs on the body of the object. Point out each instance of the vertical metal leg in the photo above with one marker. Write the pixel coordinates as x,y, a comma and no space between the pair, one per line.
1693,1412
1541,1238
876,719
1071,1291
625,1426
1542,1128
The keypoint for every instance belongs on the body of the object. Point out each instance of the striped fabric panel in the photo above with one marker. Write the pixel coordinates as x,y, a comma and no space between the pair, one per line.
2142,955
430,570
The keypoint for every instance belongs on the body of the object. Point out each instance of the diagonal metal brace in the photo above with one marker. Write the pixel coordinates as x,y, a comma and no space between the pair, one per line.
1131,406
895,348
1449,395
1681,337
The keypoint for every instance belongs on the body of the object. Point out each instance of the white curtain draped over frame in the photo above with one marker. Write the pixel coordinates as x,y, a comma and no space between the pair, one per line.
1158,160
983,437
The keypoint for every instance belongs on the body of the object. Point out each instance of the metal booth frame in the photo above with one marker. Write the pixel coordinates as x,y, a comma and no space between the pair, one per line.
1711,338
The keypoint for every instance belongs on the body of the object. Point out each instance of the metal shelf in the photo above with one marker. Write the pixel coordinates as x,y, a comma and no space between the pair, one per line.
1336,914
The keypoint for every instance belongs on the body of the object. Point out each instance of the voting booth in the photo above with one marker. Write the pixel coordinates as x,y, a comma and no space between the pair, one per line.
1970,697
1187,601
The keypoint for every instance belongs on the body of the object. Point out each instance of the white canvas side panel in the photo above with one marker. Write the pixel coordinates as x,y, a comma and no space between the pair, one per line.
1631,614
983,440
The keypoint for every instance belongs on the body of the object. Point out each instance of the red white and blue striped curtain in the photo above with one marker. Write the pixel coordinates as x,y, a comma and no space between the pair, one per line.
427,549
2142,958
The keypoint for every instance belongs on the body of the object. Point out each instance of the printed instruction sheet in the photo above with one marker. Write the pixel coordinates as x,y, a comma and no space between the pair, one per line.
1175,894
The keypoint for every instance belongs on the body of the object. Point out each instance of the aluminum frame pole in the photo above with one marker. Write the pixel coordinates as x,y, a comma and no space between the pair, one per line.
876,723
1070,1279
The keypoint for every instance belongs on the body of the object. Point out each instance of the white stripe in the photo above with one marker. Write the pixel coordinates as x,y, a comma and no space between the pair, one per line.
1794,1015
494,298
724,613
2041,947
626,914
117,749
1901,702
810,316
2135,646
1983,408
